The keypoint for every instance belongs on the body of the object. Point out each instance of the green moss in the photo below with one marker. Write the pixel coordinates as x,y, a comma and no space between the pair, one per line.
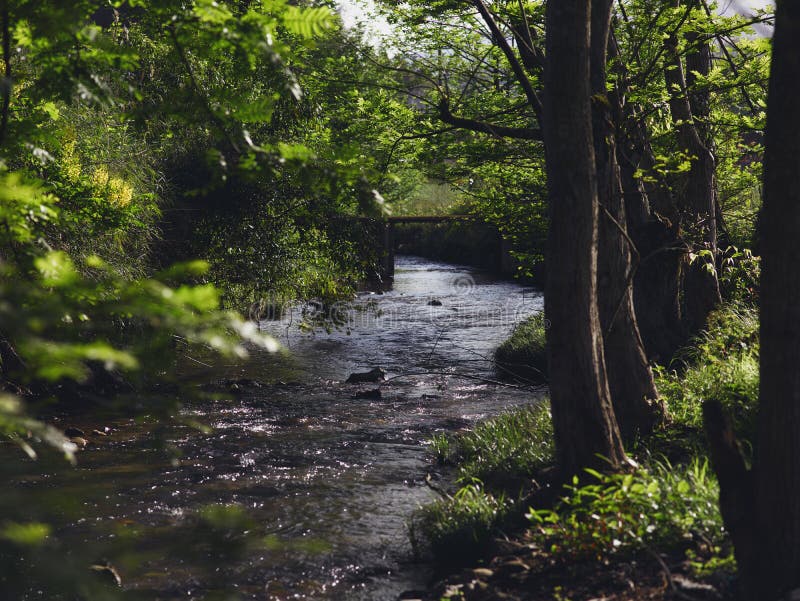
524,355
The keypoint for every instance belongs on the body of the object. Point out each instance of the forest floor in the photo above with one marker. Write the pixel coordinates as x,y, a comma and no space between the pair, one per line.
522,573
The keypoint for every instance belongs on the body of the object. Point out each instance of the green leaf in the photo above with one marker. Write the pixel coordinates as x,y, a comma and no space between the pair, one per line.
56,269
308,22
28,535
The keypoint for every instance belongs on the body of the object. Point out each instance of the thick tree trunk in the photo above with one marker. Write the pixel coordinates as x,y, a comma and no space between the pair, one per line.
778,450
633,391
583,417
761,508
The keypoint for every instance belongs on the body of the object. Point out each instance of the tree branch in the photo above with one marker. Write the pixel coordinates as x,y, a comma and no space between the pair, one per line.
516,67
500,131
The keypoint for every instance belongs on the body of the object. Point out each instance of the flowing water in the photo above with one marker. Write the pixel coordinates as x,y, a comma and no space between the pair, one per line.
329,480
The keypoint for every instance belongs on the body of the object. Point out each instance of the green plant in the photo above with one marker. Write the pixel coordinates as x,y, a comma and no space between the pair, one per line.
721,364
739,275
459,528
524,354
661,506
503,450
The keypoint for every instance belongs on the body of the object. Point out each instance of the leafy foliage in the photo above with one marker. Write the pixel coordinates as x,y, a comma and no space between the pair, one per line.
660,506
524,354
721,364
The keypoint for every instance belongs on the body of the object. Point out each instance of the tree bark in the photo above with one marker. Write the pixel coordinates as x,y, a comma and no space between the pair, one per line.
778,450
697,202
630,379
761,507
583,417
652,225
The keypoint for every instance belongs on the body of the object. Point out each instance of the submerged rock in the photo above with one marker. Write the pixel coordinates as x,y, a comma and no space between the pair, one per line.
79,441
435,303
373,393
374,375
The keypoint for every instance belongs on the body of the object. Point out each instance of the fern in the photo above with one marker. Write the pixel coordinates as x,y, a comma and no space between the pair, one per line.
308,22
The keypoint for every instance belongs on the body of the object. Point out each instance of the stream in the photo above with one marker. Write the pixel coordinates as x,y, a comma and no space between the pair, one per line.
330,480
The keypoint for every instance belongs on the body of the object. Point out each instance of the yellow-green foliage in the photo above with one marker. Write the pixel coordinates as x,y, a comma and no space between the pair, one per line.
721,364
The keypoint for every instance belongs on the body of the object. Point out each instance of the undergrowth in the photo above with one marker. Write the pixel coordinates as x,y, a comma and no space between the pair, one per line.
459,528
502,450
524,354
659,506
721,364
663,507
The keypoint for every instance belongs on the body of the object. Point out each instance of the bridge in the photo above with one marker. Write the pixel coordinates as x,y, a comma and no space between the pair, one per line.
384,236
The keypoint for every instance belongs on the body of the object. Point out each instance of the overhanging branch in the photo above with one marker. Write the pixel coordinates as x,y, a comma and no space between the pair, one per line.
500,131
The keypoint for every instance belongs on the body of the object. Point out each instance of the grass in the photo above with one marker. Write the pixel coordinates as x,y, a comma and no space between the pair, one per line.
720,364
524,355
459,528
503,451
496,461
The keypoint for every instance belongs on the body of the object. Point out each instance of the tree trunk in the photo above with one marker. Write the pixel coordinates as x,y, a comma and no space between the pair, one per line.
583,417
778,450
697,203
761,508
633,391
657,282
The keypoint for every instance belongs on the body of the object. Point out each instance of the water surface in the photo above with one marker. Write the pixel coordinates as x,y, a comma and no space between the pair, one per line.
331,480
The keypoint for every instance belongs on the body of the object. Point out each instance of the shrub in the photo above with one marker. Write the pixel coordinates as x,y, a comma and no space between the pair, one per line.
663,505
524,355
721,364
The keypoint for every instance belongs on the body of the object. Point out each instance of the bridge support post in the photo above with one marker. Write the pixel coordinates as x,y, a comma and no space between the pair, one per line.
387,261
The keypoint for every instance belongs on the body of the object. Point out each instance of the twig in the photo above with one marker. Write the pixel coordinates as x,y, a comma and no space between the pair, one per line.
668,575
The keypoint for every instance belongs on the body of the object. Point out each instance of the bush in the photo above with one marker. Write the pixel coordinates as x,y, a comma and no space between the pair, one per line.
504,450
663,506
524,355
